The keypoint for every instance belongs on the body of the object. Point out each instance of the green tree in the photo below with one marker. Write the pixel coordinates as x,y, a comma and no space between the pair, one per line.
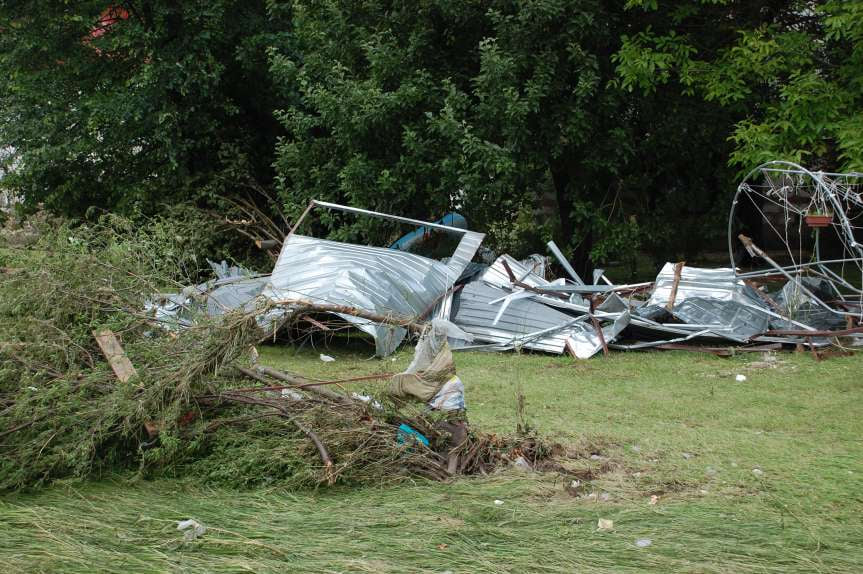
125,105
485,107
511,112
793,69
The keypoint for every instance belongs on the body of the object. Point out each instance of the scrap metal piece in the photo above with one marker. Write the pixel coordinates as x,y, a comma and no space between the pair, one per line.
586,342
555,250
378,280
525,322
727,318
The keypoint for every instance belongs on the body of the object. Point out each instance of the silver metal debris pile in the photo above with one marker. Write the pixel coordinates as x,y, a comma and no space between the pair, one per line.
809,294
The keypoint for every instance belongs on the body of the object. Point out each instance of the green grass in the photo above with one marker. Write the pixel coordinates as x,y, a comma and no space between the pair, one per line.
674,425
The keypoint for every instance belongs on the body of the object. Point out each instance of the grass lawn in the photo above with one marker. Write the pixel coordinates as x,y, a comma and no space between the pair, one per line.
672,425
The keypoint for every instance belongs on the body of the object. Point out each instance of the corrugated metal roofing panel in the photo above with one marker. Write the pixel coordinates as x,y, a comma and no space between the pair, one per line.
522,318
375,279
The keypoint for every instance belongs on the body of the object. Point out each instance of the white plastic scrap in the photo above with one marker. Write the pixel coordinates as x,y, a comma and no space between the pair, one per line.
367,399
498,502
643,542
193,529
292,395
740,378
758,472
327,358
450,397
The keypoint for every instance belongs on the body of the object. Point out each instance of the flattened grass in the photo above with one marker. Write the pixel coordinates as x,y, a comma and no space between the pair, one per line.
673,425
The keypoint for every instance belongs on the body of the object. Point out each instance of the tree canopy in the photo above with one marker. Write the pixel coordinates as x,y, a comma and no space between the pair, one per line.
131,104
612,127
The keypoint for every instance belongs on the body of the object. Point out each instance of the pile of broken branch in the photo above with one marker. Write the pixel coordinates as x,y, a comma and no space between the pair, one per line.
90,384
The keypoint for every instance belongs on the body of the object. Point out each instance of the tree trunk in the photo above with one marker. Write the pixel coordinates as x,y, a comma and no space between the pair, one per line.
567,234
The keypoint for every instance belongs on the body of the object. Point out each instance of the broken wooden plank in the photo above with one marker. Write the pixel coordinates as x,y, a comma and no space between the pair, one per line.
113,351
266,243
316,323
678,269
766,298
813,333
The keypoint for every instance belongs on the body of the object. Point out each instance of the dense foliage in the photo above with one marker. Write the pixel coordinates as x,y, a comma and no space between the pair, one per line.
794,69
612,127
135,104
188,409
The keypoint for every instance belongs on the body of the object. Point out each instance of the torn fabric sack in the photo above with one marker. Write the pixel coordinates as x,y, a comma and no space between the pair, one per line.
431,369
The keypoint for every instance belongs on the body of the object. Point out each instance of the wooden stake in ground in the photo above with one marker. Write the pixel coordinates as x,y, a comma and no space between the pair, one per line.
113,351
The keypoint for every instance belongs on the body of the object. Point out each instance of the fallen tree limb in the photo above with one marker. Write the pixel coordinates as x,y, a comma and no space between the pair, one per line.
312,436
305,306
295,381
316,383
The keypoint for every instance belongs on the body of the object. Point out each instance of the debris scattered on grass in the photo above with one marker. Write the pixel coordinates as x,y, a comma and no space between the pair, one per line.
643,542
192,529
327,358
758,472
498,502
605,524
194,404
510,304
653,500
740,378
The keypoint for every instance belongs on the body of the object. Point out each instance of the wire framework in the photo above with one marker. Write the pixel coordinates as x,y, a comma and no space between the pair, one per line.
805,224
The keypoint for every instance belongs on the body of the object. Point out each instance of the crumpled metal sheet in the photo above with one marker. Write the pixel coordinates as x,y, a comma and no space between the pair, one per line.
713,299
803,309
374,279
716,284
585,342
235,288
237,294
525,323
496,274
528,323
728,319
537,263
